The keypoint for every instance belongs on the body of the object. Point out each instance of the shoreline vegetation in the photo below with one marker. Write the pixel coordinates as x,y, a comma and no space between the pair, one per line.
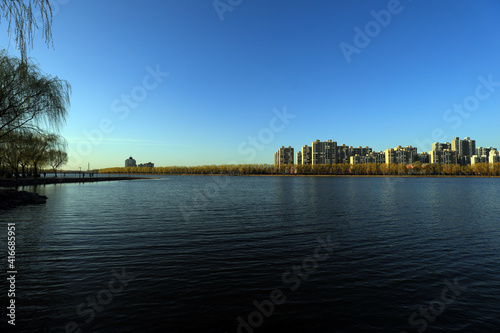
10,197
377,170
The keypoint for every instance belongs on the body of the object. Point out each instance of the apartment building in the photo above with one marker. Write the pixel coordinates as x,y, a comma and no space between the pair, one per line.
344,153
328,152
305,155
449,156
401,155
479,159
424,158
283,156
442,153
324,152
372,157
465,149
298,158
494,156
480,151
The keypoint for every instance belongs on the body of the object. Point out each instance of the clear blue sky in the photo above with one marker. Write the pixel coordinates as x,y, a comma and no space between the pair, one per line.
225,77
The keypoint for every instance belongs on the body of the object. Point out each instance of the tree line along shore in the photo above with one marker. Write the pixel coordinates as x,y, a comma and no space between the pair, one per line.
417,169
33,105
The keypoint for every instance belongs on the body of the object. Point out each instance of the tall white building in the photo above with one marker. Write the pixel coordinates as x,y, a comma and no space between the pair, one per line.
130,162
494,156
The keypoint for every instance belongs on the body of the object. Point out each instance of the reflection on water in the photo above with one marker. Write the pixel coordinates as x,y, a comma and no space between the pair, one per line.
399,239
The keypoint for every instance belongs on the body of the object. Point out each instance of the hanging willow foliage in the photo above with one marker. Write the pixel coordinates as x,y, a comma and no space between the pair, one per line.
30,99
21,19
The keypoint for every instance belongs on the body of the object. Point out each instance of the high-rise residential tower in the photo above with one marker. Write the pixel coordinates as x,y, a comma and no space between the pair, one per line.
284,156
324,152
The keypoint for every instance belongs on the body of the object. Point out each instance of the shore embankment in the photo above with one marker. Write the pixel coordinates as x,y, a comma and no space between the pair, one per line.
6,182
10,197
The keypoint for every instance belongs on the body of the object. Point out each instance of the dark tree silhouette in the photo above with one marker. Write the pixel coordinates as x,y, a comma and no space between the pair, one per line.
29,98
20,18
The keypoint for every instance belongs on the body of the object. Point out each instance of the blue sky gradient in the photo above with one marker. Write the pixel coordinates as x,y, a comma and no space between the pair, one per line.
219,84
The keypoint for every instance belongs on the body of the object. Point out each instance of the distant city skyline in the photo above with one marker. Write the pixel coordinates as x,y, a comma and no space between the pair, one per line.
184,83
456,151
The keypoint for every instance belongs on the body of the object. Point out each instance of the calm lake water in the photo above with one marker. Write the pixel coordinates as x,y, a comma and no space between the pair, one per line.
259,254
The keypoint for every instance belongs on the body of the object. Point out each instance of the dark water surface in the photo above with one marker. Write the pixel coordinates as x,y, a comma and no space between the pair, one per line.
258,254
